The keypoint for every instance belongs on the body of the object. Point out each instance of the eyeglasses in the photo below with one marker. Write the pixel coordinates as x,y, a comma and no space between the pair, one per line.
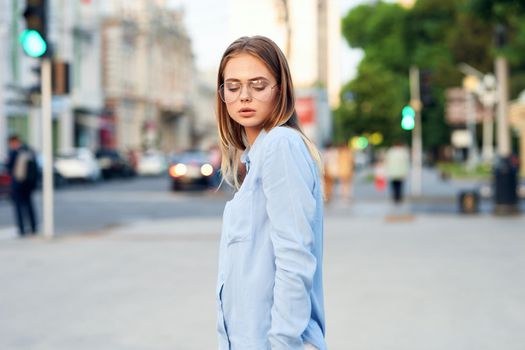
259,89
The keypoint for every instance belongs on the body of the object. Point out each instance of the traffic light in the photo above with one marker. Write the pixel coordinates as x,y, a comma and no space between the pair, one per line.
408,120
34,37
425,83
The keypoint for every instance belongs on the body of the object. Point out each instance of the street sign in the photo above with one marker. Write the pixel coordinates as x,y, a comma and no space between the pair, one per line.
456,108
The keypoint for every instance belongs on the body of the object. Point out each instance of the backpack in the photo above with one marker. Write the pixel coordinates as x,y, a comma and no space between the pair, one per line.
26,170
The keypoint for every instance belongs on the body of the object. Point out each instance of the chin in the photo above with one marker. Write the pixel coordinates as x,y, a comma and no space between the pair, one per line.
252,125
249,122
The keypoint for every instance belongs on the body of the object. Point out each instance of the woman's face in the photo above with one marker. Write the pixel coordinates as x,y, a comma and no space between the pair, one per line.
249,92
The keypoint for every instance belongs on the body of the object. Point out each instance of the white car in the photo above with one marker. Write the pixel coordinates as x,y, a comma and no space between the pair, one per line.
78,164
152,163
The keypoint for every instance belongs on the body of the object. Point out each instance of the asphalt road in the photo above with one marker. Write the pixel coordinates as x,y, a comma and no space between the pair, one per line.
81,208
92,207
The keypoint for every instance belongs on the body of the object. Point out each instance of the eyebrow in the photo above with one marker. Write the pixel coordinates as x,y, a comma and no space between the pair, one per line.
252,79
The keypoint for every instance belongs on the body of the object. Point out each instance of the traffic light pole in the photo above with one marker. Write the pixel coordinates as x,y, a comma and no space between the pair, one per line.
417,144
3,115
47,181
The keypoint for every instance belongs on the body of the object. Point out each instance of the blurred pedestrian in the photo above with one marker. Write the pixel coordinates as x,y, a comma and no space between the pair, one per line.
345,167
269,290
379,176
133,160
22,168
397,165
331,171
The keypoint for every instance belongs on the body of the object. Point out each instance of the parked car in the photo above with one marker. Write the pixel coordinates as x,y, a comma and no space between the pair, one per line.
58,180
112,164
5,181
191,169
78,164
152,163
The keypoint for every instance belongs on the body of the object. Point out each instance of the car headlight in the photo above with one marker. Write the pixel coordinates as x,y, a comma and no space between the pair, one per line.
206,170
178,170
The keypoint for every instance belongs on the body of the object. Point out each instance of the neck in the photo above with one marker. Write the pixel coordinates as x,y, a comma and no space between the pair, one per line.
251,134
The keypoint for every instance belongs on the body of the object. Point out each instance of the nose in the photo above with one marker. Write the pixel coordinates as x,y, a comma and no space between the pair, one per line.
245,93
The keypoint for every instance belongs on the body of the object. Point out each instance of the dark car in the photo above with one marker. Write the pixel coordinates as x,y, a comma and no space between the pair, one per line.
114,164
5,181
191,170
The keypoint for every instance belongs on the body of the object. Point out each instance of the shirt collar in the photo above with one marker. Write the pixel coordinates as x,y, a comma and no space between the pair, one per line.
251,153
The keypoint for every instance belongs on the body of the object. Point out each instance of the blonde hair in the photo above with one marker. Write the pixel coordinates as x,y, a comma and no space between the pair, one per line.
231,134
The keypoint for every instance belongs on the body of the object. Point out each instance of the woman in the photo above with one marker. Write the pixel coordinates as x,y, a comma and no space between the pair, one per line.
269,290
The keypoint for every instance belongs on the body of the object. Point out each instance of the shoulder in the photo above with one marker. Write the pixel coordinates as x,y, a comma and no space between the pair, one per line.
286,144
283,134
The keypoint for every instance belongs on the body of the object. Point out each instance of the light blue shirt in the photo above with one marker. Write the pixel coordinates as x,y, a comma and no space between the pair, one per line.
269,290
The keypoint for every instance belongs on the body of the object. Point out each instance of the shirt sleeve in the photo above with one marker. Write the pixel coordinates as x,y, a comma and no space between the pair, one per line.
288,182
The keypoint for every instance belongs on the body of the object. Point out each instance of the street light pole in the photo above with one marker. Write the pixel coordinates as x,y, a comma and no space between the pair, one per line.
470,84
502,71
488,99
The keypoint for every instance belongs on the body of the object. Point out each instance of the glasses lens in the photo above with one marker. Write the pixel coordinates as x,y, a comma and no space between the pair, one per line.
230,91
258,89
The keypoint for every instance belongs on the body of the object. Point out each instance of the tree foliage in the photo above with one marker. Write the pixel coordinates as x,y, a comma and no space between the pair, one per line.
436,36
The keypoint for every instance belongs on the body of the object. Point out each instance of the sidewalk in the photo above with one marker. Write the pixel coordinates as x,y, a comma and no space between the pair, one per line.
421,282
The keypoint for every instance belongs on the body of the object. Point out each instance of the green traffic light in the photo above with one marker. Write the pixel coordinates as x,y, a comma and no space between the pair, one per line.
408,123
409,118
33,43
408,112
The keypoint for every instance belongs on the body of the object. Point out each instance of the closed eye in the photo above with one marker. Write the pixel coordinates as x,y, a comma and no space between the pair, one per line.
232,87
258,85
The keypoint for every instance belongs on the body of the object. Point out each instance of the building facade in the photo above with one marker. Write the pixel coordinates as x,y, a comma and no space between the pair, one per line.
132,77
148,77
308,32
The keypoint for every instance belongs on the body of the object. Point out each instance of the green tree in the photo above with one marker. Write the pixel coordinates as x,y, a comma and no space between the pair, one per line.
508,16
435,35
379,89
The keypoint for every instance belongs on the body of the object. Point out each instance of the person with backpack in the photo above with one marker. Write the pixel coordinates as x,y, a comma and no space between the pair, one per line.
22,168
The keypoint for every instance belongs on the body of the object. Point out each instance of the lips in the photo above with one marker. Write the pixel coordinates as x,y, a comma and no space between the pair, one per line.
246,112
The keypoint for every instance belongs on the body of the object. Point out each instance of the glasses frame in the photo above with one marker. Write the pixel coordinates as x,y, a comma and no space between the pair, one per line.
221,88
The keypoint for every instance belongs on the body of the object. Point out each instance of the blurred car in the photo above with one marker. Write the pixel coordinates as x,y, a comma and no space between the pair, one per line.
191,169
58,180
152,163
5,181
114,164
78,164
